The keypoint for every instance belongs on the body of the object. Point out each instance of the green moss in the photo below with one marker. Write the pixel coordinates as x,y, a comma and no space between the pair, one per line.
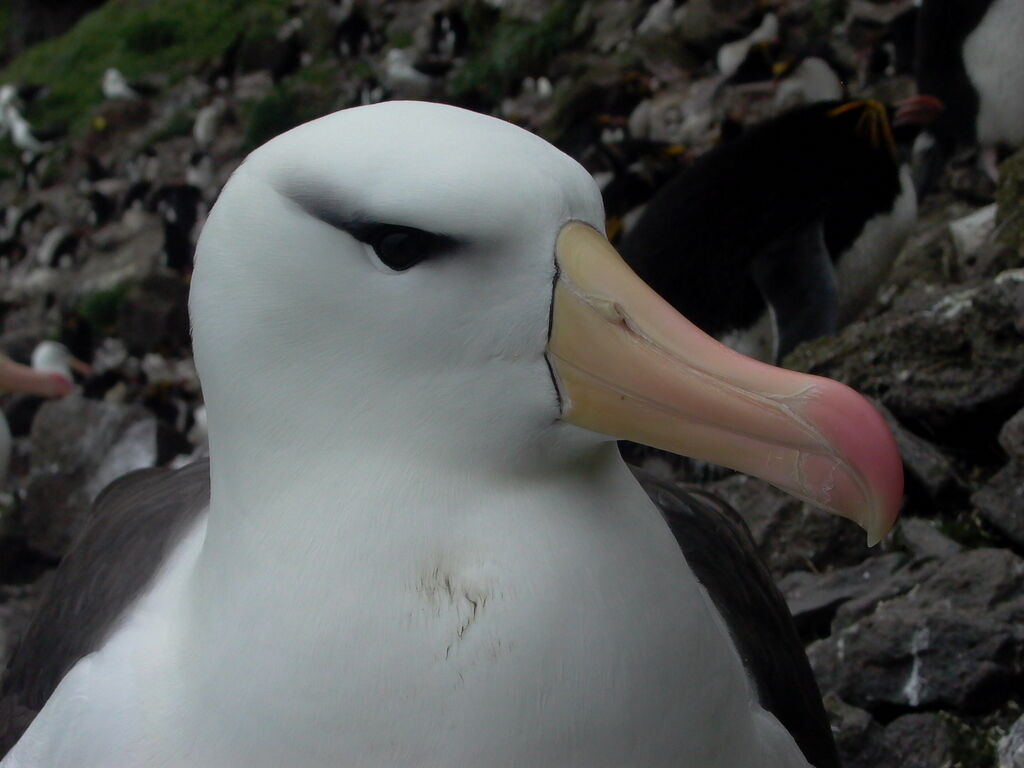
310,93
401,39
972,747
273,114
361,70
576,96
319,30
968,529
287,106
169,38
100,309
1010,197
512,49
320,74
151,35
179,124
259,42
480,17
825,14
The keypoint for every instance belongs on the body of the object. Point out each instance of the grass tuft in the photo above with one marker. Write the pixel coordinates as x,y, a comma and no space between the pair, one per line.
169,39
100,309
511,49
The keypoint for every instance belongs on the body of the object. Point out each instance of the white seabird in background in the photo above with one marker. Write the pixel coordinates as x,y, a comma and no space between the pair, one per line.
419,544
731,55
21,132
116,86
208,122
54,358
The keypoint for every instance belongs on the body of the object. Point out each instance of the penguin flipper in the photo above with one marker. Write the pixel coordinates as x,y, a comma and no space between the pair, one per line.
930,157
798,281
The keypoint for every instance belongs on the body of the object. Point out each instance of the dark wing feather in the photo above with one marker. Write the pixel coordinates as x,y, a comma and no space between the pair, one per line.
136,522
721,552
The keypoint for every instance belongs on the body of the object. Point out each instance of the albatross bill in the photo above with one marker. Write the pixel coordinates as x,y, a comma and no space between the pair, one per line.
632,367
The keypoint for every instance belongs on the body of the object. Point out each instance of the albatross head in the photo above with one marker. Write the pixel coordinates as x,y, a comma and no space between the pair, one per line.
429,284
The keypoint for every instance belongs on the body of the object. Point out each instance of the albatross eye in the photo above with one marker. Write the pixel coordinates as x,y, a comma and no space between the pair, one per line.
400,248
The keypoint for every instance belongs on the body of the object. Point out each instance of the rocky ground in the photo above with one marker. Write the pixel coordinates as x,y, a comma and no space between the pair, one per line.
918,643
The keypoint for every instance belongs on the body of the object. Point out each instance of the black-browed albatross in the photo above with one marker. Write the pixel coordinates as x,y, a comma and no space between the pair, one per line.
418,545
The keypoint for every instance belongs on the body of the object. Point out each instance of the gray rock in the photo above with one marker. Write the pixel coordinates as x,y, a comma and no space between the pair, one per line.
900,583
875,13
919,740
124,251
154,314
973,580
78,447
989,260
928,255
922,539
972,231
253,86
920,658
954,641
925,464
813,598
789,534
1000,502
699,22
1011,747
608,18
971,183
860,739
948,362
1011,437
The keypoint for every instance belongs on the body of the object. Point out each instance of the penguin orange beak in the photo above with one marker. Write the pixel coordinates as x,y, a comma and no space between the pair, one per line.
628,365
918,110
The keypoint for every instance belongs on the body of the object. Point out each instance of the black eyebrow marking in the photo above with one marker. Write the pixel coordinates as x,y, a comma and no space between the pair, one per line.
317,201
398,246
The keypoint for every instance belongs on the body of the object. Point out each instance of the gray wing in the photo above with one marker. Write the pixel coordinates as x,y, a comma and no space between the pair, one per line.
718,547
798,280
136,523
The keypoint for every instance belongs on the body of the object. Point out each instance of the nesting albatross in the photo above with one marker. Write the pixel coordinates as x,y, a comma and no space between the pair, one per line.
419,545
